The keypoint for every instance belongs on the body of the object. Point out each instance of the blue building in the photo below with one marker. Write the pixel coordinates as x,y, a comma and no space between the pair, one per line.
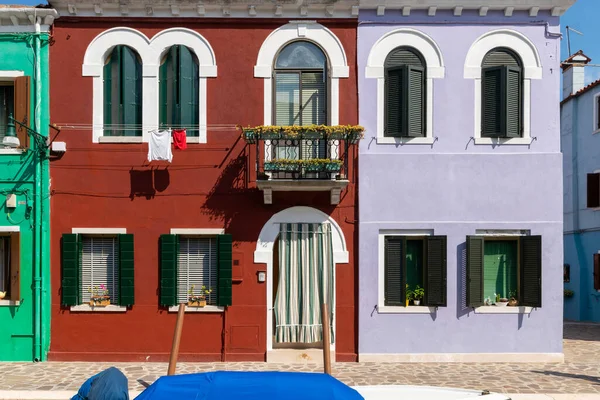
580,141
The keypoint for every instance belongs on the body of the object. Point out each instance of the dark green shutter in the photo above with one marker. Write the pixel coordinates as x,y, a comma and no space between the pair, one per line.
224,269
131,92
492,115
531,271
415,102
475,249
435,274
163,99
70,270
395,271
169,248
107,97
513,101
126,271
394,101
186,88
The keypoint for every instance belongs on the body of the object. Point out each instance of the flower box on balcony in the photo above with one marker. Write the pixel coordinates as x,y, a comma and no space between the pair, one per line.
352,133
250,136
354,136
275,166
333,167
310,134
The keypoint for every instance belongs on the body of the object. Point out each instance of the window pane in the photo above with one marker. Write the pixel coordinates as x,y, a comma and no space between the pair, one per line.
499,268
5,265
197,261
314,107
7,100
99,266
299,55
287,99
414,263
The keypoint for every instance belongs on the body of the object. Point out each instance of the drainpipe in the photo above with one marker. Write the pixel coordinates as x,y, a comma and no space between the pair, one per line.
37,280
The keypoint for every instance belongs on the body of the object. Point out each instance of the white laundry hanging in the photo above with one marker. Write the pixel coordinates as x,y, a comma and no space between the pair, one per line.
159,146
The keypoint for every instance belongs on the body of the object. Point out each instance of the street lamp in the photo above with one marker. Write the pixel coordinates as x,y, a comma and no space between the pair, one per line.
10,137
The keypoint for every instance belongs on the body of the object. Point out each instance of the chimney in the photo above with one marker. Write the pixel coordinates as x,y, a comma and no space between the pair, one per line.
573,73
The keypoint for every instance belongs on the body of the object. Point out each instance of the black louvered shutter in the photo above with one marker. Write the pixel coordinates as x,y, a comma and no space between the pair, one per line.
475,250
126,273
394,113
415,103
71,270
513,101
593,190
531,271
492,115
435,285
169,248
224,269
395,272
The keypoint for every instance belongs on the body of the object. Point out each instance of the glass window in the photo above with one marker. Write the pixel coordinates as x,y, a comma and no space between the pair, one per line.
197,266
99,267
5,265
7,102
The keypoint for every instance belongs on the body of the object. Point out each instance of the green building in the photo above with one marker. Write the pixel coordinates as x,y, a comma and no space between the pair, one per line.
24,183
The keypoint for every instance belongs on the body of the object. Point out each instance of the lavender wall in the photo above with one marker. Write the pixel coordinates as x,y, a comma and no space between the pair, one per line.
455,187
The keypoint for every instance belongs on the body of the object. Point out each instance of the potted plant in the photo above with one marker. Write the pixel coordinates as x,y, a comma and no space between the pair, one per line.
418,295
512,301
200,299
100,296
409,295
568,293
501,301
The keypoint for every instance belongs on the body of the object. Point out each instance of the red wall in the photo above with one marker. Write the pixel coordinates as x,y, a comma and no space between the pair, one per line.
207,186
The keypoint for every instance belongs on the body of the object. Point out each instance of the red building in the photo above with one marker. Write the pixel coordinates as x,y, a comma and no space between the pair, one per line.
268,239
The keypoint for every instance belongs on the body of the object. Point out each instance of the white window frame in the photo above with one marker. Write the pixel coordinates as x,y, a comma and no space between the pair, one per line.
151,52
9,76
197,232
532,69
98,231
381,307
410,38
11,229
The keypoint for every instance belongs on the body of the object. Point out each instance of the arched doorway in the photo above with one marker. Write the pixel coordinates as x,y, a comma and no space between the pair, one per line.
302,227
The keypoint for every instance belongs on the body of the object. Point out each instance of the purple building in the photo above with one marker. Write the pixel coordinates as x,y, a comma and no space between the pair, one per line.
460,181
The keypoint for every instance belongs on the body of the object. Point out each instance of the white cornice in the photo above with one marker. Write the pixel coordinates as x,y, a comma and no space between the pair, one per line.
18,19
556,7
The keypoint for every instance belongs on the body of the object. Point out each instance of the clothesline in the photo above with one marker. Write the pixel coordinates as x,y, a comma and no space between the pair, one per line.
134,127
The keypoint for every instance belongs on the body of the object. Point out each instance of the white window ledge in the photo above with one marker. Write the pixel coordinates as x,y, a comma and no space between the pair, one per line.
502,141
405,140
208,309
12,151
88,308
405,310
596,131
120,139
9,303
194,231
503,310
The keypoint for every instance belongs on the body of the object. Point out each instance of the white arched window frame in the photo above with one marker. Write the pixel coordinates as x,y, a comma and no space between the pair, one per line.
532,69
151,53
435,69
312,32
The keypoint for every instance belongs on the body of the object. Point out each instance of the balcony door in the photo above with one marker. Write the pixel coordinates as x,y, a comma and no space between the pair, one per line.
300,93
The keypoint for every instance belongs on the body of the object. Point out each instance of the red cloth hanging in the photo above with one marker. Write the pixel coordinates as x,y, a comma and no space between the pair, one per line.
179,139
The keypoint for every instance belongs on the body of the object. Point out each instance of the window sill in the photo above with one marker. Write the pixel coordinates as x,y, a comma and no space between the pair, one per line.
405,310
88,308
120,139
596,131
502,141
9,303
12,151
207,309
403,140
503,310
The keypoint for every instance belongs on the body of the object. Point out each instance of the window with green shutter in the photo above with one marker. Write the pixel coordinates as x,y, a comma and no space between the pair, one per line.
179,90
505,267
413,263
501,94
123,93
405,103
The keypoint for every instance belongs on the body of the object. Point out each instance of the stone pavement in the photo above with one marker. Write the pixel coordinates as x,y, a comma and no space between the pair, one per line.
579,374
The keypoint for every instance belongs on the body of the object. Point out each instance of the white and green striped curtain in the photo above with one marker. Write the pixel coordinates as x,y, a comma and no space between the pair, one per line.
306,281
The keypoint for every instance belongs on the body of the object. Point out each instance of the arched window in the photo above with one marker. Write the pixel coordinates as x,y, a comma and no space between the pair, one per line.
123,93
501,94
301,96
405,93
179,90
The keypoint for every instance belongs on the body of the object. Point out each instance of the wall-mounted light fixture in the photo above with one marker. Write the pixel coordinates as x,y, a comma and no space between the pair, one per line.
262,276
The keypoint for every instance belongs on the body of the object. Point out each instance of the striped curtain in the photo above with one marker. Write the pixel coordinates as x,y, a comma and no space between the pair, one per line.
306,281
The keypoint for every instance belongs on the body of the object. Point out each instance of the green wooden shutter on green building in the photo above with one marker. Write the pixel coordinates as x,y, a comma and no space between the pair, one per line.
436,271
395,271
70,270
415,102
531,271
475,247
126,270
224,270
168,269
394,115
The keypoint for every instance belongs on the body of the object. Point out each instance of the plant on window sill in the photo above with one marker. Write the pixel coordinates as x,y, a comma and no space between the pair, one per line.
414,296
2,295
200,299
100,296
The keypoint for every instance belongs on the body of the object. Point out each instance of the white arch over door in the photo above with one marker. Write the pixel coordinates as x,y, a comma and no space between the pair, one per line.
268,236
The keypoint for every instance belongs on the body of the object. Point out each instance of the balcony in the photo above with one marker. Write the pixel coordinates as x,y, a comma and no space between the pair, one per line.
308,158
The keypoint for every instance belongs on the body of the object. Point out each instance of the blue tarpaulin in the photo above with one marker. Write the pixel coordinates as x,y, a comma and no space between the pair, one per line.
109,384
249,386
